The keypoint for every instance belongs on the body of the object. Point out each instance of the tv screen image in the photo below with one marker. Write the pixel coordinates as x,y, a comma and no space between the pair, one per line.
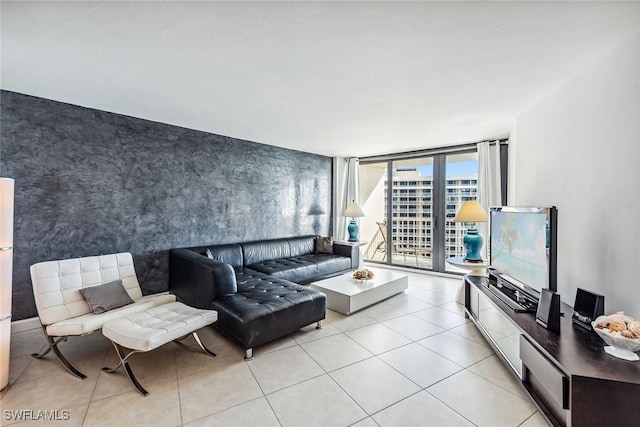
522,245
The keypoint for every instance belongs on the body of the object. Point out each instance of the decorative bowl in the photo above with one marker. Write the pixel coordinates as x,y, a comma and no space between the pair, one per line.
362,275
621,347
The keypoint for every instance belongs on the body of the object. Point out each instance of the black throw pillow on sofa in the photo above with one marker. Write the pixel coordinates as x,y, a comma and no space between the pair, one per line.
324,245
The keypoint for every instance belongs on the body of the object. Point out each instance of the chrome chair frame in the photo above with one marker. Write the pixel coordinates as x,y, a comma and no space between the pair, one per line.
124,360
52,344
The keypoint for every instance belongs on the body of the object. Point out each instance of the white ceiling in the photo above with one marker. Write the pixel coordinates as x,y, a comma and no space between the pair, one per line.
334,78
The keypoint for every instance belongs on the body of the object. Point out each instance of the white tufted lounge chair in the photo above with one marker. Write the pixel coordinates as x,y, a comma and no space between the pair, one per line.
64,312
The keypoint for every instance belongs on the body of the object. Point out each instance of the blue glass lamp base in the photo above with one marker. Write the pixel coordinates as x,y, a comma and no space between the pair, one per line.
352,228
472,243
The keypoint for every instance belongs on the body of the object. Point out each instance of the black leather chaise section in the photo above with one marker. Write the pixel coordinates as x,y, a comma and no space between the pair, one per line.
266,308
251,284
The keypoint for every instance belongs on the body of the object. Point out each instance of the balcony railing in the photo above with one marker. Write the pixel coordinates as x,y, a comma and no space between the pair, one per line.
402,253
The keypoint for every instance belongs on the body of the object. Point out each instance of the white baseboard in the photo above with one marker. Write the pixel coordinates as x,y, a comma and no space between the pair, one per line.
25,325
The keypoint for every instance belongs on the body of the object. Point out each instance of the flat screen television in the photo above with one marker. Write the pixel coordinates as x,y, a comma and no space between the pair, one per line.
523,247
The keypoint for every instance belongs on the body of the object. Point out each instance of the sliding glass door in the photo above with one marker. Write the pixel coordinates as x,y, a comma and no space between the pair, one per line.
412,215
461,184
409,204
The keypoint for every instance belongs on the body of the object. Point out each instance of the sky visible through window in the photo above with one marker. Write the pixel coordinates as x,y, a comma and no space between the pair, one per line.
469,167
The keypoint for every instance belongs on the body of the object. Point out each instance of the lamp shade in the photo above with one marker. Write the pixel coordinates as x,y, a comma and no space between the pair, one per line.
353,210
471,211
316,209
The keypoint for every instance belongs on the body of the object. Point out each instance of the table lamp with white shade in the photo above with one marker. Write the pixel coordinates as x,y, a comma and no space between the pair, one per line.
472,212
353,211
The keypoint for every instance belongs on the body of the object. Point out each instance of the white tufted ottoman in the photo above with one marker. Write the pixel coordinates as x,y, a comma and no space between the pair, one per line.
146,330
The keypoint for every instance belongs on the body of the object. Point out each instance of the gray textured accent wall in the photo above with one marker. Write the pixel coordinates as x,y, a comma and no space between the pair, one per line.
90,182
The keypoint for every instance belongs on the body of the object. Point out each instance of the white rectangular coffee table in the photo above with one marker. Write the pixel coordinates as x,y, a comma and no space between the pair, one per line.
347,295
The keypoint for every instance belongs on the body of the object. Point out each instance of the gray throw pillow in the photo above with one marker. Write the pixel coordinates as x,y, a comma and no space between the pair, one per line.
324,245
105,297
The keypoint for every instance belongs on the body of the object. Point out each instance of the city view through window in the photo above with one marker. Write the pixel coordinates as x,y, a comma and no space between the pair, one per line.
407,209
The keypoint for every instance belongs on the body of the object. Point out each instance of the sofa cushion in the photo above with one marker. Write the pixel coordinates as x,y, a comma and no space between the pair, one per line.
266,308
229,254
255,252
327,264
301,245
296,269
305,268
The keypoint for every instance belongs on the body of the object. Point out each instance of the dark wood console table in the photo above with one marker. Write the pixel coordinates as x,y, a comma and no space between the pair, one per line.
569,375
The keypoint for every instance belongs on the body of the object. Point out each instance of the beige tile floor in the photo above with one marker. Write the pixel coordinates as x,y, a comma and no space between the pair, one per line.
412,360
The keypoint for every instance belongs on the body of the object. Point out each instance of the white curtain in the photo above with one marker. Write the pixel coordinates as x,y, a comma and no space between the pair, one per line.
349,192
489,192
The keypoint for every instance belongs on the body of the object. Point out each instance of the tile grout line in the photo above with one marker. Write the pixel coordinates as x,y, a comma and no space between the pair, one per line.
445,404
175,366
95,387
336,319
494,383
264,395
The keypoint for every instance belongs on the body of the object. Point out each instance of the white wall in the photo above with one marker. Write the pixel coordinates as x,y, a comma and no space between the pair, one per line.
372,186
579,149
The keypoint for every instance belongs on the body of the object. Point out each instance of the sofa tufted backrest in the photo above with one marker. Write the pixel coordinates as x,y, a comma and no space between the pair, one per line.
57,284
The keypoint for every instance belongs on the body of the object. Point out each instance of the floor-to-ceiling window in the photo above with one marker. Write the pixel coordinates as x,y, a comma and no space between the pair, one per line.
412,215
409,204
461,184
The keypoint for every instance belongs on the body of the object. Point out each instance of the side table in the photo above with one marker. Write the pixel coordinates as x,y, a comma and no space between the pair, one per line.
360,243
473,268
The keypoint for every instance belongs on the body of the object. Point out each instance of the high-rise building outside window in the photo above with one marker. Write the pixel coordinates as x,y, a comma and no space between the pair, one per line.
415,200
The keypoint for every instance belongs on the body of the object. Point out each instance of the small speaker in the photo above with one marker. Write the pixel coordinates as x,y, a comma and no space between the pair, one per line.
548,314
587,307
492,276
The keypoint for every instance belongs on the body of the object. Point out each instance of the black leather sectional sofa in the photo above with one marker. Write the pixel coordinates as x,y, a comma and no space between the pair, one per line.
256,287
